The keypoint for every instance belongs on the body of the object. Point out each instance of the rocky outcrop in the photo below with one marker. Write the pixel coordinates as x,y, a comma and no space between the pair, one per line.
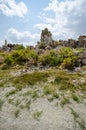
8,46
46,37
83,58
46,42
82,41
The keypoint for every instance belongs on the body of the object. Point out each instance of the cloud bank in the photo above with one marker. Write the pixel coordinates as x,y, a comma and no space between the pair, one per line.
24,37
66,19
11,8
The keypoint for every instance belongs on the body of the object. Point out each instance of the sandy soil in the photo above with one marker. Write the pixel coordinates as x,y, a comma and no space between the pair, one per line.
50,117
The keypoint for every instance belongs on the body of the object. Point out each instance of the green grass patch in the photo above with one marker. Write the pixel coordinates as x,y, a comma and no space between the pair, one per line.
61,78
1,104
11,100
11,92
67,85
14,102
28,93
16,113
37,115
47,90
28,103
75,98
50,99
29,79
55,95
78,119
1,84
34,94
65,101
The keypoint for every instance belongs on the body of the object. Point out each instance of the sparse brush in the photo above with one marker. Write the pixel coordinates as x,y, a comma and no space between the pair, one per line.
11,92
17,102
28,103
35,94
47,90
50,99
1,103
75,98
27,93
29,79
55,95
16,113
65,101
10,101
37,115
78,119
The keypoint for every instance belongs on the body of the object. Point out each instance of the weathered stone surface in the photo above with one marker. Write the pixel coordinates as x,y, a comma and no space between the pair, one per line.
47,43
83,58
46,36
82,41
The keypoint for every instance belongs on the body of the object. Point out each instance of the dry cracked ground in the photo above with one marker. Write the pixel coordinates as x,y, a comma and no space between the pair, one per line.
47,100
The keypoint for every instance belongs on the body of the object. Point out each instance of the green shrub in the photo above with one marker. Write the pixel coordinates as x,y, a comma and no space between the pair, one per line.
75,98
11,92
19,47
65,52
69,63
49,58
5,66
21,56
31,56
37,115
1,103
67,57
8,60
42,45
16,57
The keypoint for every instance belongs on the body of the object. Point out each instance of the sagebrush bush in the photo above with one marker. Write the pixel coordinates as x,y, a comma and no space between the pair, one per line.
49,58
67,57
21,56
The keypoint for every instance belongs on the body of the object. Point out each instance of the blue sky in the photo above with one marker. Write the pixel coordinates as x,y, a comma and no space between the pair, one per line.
21,21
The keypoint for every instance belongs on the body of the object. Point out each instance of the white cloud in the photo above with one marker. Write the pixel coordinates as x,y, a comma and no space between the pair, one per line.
67,18
11,8
24,37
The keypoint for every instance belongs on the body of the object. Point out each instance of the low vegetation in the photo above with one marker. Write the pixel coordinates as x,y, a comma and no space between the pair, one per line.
64,57
29,79
37,115
1,103
75,98
65,101
16,113
78,120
